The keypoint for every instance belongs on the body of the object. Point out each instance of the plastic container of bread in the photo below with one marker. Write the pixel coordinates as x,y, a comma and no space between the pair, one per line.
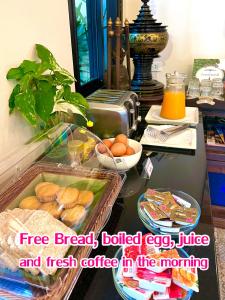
65,191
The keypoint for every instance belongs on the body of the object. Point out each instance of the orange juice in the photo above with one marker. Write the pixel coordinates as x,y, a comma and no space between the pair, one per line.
173,106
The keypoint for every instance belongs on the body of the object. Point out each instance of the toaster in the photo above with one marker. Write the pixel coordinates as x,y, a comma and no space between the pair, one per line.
114,112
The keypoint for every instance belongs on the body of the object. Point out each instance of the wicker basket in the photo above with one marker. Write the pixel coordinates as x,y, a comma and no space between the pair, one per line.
98,218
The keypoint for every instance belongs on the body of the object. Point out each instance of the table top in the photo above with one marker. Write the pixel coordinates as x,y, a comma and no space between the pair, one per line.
182,171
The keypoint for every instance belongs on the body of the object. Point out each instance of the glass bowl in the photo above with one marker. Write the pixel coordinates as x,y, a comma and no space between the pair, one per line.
119,287
157,229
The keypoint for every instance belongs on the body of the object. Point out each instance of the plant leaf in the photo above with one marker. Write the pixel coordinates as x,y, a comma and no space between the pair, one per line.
59,94
25,103
63,77
25,82
65,73
79,100
94,185
46,56
46,77
15,73
29,66
67,108
49,60
41,85
45,96
43,67
75,98
15,92
67,91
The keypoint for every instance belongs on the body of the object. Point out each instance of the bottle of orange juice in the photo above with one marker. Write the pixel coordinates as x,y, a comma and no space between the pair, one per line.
173,106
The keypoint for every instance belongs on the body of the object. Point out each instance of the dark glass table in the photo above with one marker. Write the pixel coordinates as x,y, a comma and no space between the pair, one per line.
186,171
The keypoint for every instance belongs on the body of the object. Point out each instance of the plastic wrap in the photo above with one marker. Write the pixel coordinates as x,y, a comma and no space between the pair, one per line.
67,190
80,147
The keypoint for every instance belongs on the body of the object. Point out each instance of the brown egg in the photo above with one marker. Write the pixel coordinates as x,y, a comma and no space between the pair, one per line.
121,138
118,149
108,143
101,148
130,151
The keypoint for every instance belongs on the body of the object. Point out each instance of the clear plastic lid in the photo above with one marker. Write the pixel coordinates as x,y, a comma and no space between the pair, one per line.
66,144
80,147
64,185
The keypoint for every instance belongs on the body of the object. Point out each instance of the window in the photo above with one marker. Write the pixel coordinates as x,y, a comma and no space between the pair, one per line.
88,22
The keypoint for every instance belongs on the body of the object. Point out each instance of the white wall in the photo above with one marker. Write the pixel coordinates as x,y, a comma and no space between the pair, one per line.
23,23
196,29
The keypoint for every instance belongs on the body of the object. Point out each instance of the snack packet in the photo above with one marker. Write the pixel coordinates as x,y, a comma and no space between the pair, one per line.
182,202
177,292
165,209
169,197
166,230
158,286
166,224
148,249
171,253
153,212
130,282
173,292
156,197
137,293
184,216
186,278
149,280
132,251
172,201
129,272
161,296
119,275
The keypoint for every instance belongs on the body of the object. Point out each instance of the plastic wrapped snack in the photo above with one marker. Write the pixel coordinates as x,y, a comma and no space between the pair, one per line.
167,211
143,282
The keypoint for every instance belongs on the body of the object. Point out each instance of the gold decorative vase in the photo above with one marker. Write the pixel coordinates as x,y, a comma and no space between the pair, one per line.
147,39
148,43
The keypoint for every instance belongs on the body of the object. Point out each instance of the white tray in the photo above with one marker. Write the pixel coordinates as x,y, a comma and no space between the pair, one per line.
153,116
186,139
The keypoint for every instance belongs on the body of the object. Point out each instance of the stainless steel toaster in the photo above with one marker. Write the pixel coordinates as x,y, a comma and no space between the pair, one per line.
114,112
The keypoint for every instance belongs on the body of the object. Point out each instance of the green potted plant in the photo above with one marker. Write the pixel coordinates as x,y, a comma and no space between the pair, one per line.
43,91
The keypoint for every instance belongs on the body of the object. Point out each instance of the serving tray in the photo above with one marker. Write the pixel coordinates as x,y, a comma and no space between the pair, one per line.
153,116
186,139
50,286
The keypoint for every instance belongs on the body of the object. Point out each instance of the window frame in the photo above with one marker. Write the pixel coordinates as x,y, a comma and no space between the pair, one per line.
95,84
